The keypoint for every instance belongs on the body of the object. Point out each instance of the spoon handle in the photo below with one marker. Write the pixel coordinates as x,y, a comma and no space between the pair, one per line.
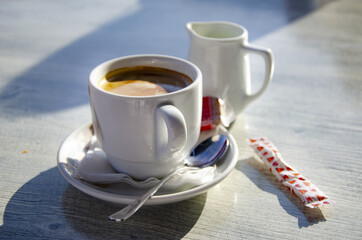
129,210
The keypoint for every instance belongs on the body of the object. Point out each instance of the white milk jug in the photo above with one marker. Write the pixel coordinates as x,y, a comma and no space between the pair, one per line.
220,50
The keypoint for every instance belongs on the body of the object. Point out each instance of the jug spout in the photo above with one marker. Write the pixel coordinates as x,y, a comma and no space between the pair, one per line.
190,26
193,28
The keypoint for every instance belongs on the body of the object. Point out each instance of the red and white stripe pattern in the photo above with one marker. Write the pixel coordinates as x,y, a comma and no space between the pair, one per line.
210,113
310,195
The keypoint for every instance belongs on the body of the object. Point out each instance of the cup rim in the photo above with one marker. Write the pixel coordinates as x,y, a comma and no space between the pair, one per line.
93,82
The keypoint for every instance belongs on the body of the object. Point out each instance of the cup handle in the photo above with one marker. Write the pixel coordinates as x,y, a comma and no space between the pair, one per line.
175,127
269,66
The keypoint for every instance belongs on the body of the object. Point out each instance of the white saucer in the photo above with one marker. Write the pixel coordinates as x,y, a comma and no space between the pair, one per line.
75,146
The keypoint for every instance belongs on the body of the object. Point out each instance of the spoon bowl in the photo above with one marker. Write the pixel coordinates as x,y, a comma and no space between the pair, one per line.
208,152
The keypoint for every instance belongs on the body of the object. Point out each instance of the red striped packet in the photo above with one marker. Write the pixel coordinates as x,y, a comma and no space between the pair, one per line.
210,113
214,112
310,194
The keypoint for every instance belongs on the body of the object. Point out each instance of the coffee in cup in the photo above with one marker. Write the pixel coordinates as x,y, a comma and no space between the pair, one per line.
143,81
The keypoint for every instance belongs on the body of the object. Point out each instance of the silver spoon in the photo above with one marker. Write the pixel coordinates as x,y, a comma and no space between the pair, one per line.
205,154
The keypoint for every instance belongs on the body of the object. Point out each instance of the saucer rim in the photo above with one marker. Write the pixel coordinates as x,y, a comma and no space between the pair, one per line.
156,199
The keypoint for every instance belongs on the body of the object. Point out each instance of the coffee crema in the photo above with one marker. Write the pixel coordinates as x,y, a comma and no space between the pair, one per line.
143,81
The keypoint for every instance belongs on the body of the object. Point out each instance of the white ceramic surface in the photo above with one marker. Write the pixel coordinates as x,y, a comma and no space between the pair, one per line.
220,50
147,136
95,168
76,144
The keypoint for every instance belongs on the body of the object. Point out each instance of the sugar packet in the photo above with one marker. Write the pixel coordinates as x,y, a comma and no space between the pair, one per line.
215,111
310,194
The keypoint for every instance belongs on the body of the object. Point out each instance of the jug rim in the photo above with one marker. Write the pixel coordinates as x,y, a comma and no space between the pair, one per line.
206,34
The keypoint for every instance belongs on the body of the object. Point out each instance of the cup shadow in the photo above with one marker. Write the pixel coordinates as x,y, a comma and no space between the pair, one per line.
48,207
256,171
88,215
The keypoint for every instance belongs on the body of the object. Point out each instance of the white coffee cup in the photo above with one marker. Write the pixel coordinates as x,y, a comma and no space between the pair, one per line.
147,136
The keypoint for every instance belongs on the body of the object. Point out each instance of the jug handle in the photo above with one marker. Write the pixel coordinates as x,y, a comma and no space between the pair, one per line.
269,66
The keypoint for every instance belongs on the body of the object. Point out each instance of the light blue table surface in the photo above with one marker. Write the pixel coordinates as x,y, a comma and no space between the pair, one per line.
312,111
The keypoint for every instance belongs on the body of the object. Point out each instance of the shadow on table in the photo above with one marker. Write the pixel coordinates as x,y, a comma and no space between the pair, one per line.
171,221
256,171
48,207
60,80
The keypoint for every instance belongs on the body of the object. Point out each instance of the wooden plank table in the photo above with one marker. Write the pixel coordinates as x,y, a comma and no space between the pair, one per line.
311,111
